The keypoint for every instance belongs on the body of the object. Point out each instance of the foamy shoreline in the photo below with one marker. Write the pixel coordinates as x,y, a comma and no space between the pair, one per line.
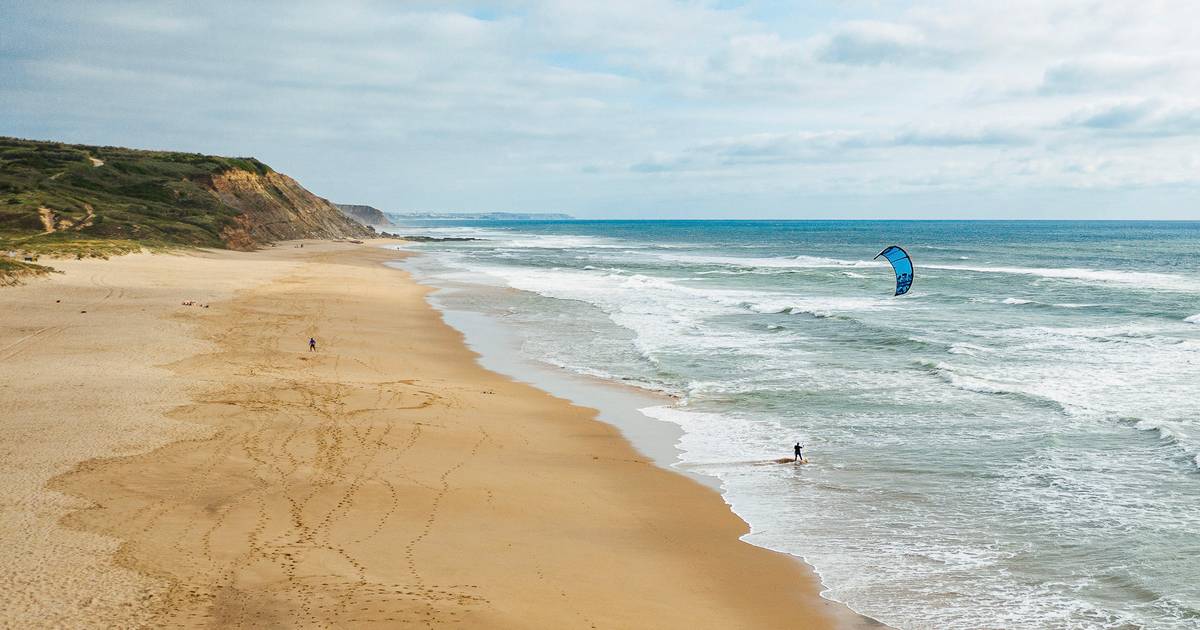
621,405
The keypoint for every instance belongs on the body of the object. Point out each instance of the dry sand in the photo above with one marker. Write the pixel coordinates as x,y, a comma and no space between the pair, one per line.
181,466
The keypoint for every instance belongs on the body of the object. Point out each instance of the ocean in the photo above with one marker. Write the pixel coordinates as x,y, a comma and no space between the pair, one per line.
1013,444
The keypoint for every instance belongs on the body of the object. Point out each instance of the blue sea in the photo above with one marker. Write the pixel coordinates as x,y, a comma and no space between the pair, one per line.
1013,444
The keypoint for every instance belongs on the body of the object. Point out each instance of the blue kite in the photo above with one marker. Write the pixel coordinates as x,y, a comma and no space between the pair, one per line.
902,265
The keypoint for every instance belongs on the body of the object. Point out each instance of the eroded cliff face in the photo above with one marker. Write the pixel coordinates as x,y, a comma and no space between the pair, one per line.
364,214
275,208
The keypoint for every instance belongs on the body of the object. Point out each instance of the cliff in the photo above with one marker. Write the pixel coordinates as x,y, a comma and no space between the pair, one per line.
60,198
364,214
273,207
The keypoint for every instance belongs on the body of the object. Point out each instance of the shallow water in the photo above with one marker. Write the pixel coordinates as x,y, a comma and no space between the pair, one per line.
1014,444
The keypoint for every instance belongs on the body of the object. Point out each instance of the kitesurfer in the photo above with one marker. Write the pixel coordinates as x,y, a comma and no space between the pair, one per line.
799,452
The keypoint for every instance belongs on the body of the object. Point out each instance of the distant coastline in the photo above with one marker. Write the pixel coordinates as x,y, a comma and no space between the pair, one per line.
478,216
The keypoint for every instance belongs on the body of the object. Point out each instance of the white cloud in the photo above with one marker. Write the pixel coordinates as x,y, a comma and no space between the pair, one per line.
822,146
1148,117
865,43
1104,73
1112,115
147,22
652,106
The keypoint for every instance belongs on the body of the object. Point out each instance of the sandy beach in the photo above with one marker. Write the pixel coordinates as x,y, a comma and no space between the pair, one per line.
175,465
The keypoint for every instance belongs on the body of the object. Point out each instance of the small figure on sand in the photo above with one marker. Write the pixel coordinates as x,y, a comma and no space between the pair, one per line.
799,450
312,344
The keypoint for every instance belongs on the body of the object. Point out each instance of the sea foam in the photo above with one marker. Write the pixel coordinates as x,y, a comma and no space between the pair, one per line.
955,436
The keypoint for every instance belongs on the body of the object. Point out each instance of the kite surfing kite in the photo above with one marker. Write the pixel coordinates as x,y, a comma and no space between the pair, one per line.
902,265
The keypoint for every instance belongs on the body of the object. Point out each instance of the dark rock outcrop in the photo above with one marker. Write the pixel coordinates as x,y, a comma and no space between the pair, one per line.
435,239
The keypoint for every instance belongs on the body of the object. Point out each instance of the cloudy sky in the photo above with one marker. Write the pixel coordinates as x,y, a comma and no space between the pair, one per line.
642,108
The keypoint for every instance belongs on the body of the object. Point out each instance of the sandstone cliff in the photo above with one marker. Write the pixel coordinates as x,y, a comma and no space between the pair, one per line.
273,207
365,215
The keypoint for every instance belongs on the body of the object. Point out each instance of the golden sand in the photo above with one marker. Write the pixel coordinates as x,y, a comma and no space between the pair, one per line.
188,466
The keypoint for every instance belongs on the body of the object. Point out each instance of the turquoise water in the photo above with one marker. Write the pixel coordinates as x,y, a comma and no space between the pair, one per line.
1014,444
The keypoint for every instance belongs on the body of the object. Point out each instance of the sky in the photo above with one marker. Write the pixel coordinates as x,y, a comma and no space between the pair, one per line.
642,108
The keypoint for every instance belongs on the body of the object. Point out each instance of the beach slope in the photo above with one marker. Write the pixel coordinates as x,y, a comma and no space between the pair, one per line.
187,466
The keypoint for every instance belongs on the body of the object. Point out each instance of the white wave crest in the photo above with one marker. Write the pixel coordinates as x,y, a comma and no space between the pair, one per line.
968,349
787,262
1153,280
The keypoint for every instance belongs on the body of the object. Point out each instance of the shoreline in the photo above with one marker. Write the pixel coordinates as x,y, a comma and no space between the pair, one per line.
319,489
617,404
497,348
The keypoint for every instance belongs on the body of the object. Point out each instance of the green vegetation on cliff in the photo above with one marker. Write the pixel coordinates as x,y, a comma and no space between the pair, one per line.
61,198
78,200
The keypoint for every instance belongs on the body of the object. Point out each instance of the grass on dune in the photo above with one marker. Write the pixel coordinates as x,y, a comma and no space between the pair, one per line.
109,200
13,271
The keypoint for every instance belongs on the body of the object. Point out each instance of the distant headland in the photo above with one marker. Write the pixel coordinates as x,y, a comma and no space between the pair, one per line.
478,216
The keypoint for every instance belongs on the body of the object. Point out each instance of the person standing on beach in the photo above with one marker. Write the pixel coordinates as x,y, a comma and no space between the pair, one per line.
312,344
799,451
